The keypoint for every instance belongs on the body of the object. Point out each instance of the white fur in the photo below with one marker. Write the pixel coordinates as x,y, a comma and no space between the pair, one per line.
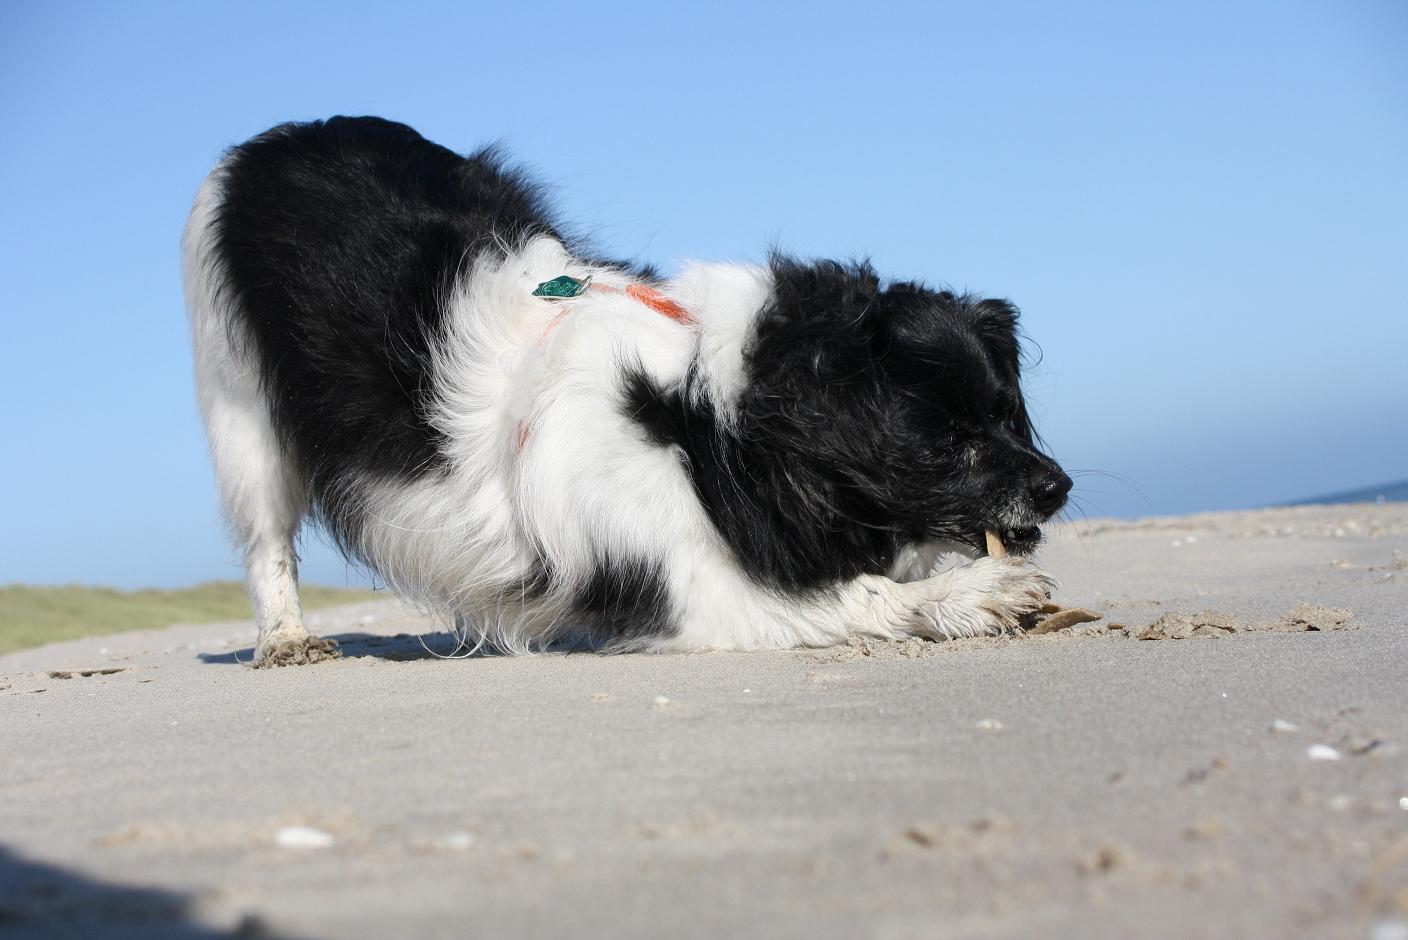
728,298
584,487
262,495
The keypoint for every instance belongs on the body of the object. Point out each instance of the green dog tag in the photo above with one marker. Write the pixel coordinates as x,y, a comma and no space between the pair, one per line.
562,286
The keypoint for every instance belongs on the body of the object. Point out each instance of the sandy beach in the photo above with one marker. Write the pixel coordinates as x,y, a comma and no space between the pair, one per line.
1243,772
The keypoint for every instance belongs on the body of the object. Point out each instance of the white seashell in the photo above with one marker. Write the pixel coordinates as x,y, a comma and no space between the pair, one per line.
302,837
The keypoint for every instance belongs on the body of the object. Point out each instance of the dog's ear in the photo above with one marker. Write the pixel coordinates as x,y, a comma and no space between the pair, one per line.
922,322
995,322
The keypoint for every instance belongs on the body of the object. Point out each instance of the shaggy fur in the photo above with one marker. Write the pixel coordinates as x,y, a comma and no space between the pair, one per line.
781,464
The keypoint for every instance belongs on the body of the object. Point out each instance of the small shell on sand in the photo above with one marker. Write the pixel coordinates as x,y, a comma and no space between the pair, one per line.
458,841
302,837
1322,752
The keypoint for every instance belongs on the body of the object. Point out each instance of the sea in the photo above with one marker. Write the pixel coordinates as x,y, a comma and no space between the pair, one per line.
1384,493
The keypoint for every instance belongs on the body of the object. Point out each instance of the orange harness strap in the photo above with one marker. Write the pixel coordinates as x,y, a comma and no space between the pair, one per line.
655,300
640,293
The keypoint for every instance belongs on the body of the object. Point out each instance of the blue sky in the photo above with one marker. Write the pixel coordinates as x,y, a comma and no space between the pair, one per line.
1201,208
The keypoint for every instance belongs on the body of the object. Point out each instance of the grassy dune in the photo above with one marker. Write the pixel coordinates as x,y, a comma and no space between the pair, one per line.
30,616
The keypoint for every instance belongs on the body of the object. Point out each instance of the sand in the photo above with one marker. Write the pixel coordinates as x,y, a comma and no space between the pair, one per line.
1247,779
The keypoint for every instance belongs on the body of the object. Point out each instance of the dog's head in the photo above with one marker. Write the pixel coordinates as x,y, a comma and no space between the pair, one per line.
912,400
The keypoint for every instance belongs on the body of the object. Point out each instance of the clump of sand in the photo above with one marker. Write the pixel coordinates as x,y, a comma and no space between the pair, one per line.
1180,626
1301,618
1070,623
1304,617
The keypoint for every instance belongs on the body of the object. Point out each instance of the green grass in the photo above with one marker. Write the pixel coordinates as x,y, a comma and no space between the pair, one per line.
30,616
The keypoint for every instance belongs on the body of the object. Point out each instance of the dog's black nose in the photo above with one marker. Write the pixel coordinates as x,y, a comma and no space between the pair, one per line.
1049,492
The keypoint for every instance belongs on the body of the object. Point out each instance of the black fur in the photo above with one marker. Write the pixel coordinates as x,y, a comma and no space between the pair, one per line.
627,601
339,241
341,238
872,417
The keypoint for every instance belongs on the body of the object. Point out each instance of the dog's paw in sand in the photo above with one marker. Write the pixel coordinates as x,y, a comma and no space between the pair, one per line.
988,596
292,646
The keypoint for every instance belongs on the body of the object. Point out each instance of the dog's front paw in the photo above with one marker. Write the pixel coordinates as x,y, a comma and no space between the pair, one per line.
989,596
292,646
1013,588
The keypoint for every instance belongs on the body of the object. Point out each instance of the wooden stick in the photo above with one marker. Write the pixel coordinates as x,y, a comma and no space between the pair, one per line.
995,547
1062,619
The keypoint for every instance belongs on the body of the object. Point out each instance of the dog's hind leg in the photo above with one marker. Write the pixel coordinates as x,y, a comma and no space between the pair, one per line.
260,490
265,504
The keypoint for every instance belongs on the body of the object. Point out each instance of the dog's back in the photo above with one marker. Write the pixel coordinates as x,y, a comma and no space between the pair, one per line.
338,243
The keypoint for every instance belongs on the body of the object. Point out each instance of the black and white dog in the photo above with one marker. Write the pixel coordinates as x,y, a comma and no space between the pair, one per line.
552,448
